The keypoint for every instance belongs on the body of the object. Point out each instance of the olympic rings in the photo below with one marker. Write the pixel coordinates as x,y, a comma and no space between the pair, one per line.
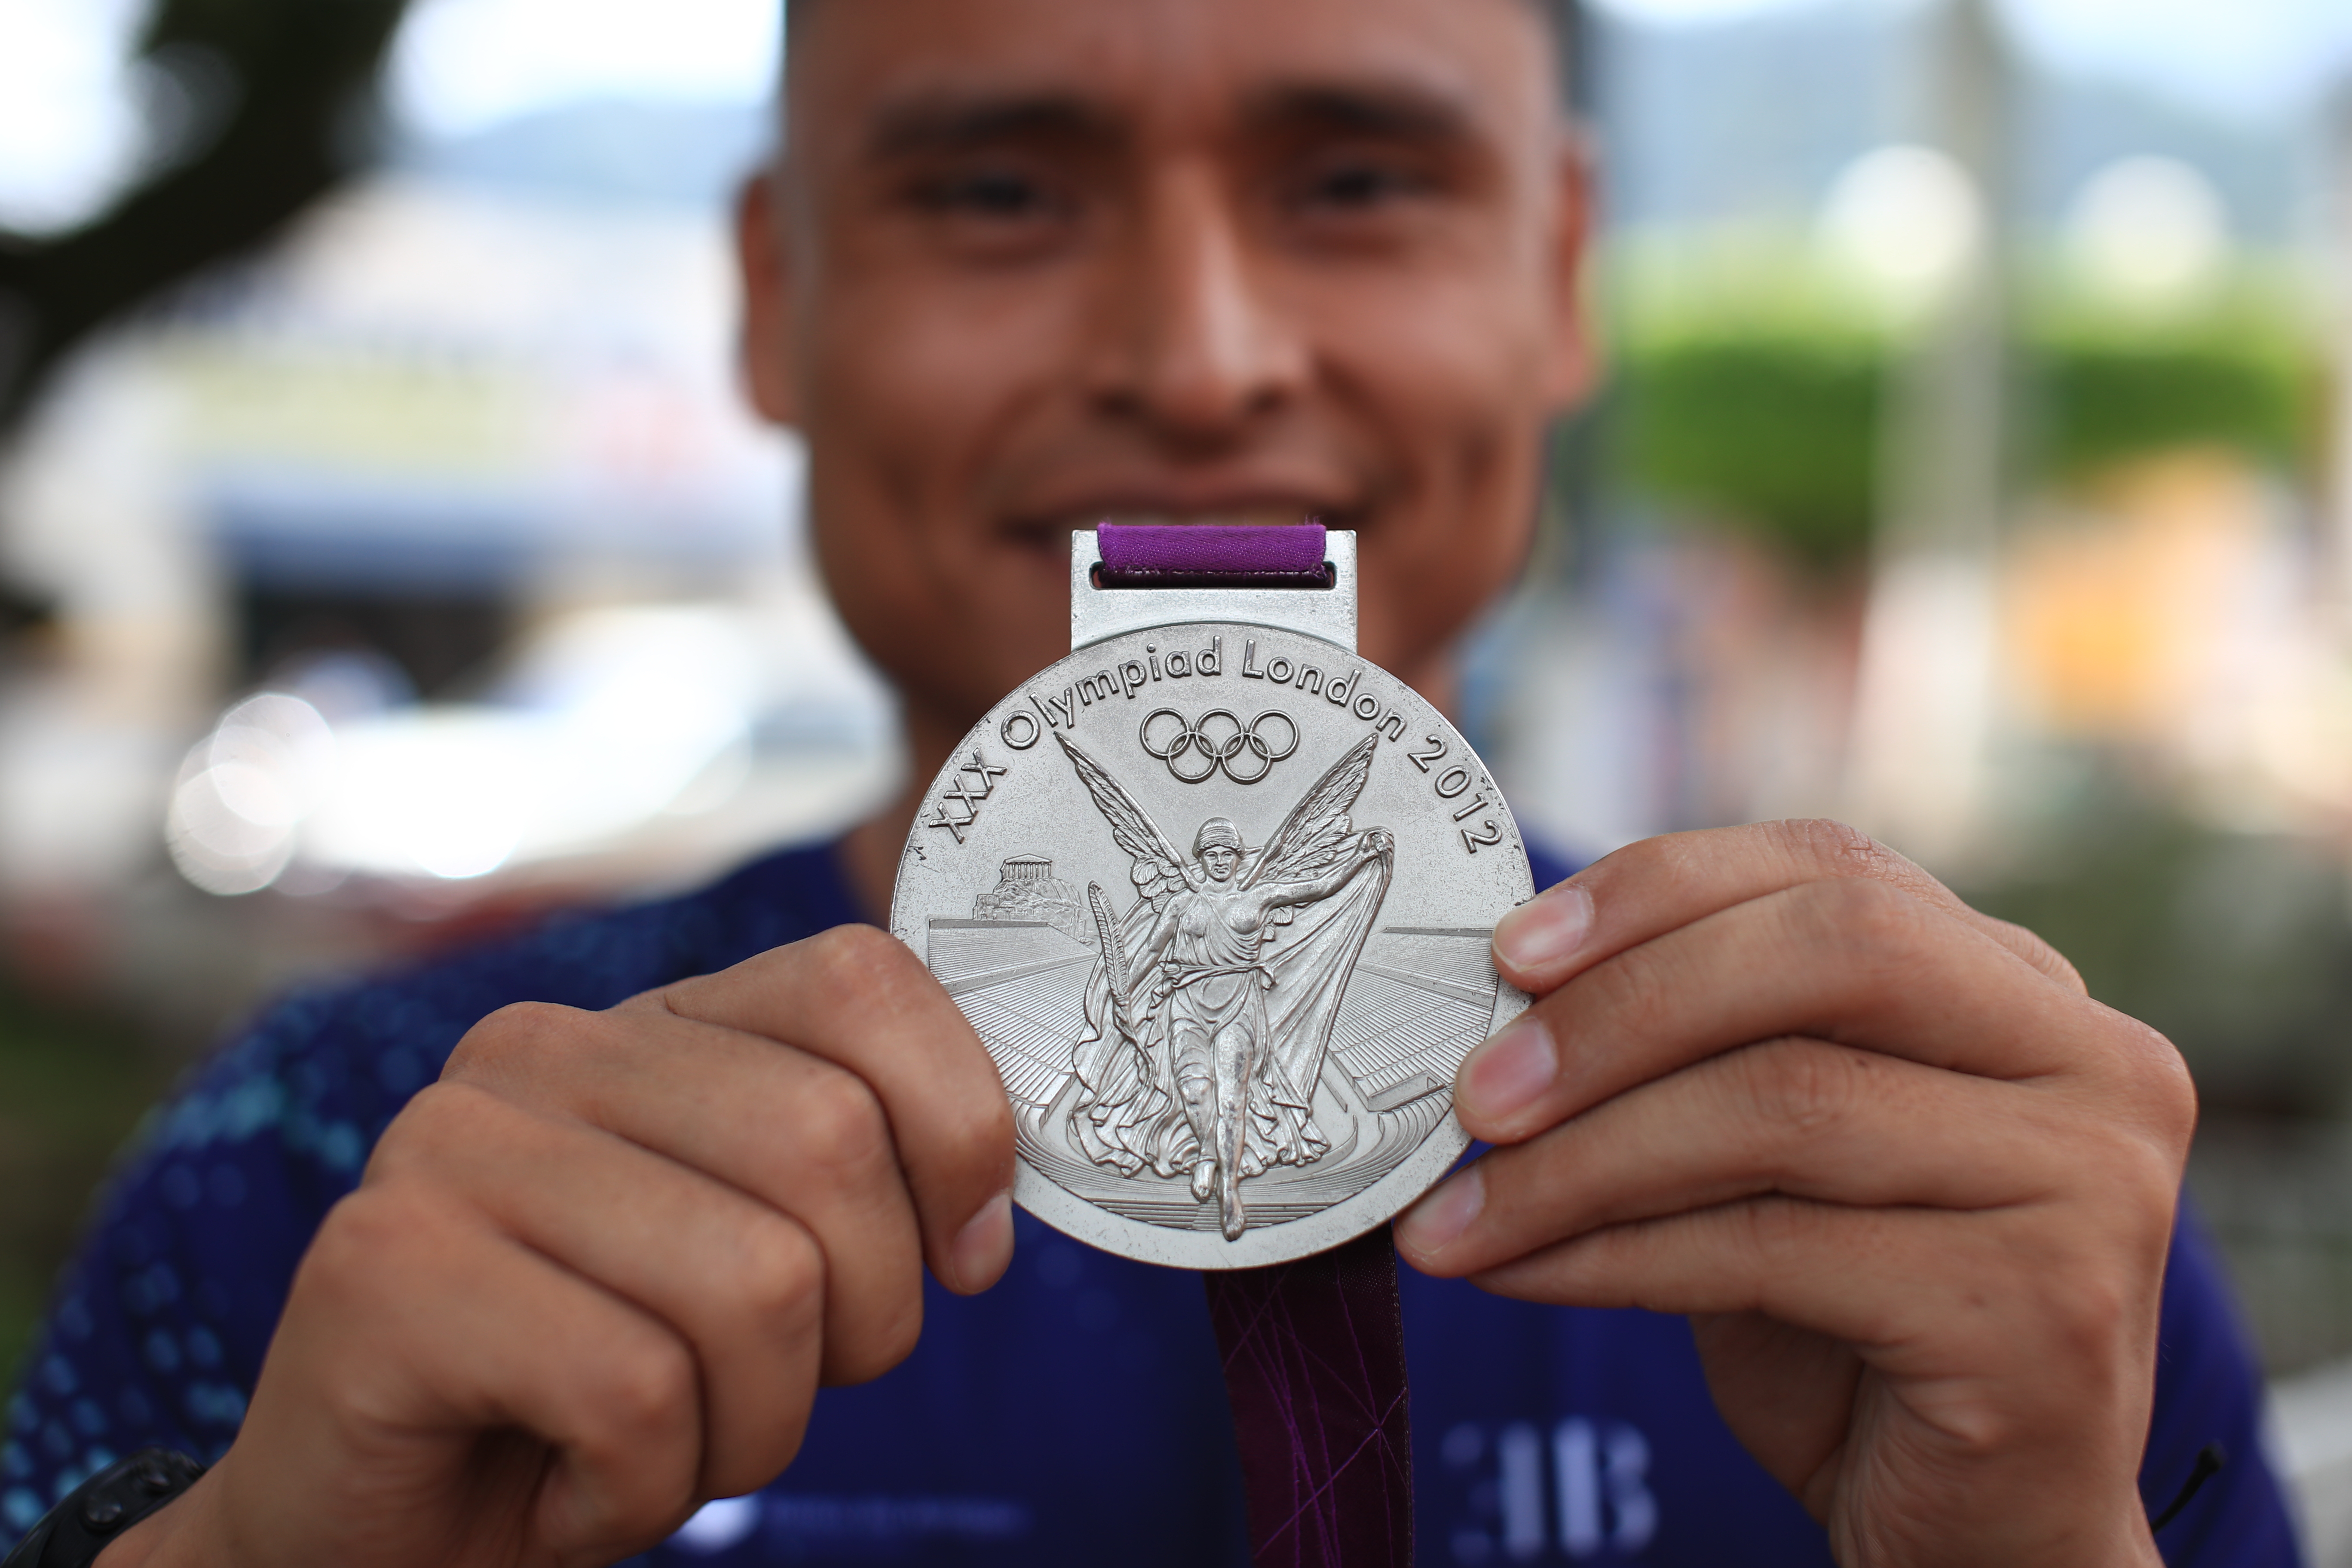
1219,744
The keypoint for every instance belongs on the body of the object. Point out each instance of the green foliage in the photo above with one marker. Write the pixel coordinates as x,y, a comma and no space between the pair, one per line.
1770,431
2106,396
1750,387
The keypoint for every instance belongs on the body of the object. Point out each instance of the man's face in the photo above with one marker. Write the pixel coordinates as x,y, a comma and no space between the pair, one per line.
1033,264
1220,862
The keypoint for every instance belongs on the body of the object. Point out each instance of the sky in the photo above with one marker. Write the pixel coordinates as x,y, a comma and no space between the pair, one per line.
2240,58
69,105
465,65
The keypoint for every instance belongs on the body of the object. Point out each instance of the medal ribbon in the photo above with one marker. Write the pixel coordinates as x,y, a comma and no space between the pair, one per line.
1314,1350
1314,1356
1288,556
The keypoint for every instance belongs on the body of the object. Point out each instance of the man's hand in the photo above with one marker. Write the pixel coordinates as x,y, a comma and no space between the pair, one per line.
595,1275
1914,1187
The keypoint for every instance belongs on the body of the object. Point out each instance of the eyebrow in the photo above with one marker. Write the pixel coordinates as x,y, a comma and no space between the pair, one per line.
946,123
1404,111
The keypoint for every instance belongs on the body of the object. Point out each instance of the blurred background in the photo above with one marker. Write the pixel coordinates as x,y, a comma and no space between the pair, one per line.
385,557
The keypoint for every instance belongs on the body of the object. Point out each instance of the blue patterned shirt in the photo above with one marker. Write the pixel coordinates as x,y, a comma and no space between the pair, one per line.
1541,1435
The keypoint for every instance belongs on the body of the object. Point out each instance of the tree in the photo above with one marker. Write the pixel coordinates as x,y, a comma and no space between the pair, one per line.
256,108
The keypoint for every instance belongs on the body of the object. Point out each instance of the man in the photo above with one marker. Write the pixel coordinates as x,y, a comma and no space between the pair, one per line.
1025,265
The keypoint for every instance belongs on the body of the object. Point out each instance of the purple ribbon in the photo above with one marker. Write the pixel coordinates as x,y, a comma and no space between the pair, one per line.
1314,1350
1314,1354
1282,556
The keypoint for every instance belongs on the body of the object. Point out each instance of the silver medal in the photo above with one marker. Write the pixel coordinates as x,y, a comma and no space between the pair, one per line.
1218,896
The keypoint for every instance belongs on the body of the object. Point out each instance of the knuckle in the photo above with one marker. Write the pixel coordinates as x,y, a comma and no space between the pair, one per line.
2030,945
978,1131
838,1128
2145,1183
356,1231
1838,848
519,1031
884,1335
2094,1313
1638,990
372,1246
850,964
2160,1081
2136,1082
778,1275
439,1120
1871,923
645,1393
2177,1108
372,1234
1802,1087
1773,1230
1670,863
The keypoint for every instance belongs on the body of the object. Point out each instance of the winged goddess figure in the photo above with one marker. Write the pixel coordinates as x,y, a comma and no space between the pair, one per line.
1206,1028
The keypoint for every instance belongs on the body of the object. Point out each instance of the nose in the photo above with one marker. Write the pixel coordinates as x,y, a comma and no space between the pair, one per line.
1192,345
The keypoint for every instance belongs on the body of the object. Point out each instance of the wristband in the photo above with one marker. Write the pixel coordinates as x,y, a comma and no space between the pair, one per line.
86,1523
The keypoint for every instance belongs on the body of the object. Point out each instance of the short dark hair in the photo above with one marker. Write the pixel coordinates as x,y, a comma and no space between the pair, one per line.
1564,19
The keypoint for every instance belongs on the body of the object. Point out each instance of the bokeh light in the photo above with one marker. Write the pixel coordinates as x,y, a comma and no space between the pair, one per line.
244,790
1909,220
2151,230
69,125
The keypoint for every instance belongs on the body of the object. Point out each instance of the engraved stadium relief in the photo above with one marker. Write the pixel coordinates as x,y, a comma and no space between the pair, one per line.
1242,1044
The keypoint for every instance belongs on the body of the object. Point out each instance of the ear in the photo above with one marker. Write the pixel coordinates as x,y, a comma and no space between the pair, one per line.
1572,361
762,255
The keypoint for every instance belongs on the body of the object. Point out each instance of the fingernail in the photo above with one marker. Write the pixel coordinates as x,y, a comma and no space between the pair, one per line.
984,1246
1443,1214
1545,931
1505,1076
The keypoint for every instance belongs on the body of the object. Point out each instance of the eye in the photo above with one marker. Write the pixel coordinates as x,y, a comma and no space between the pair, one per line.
999,194
1359,185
